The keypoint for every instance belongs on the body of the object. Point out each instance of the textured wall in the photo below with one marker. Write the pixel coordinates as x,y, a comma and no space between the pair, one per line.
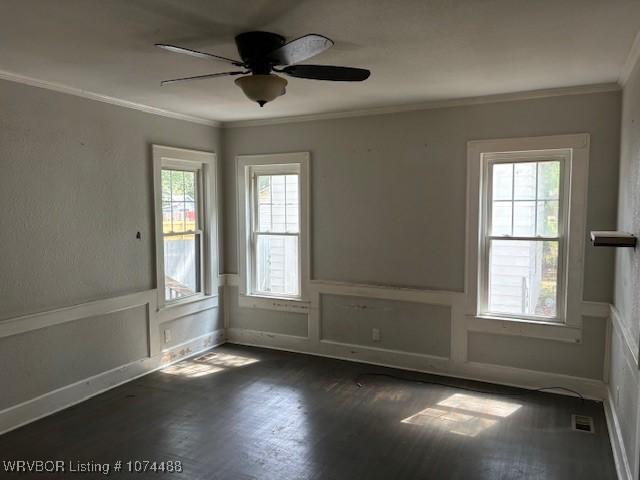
627,291
388,192
625,377
75,187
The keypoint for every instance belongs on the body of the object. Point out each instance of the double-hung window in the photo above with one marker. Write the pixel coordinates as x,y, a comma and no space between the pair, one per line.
275,236
526,229
523,235
183,226
273,199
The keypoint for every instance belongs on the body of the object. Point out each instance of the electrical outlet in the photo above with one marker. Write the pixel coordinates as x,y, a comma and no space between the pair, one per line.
167,335
375,334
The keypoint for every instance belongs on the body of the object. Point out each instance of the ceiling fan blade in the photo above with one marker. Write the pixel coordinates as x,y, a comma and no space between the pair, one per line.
201,77
300,49
327,72
195,53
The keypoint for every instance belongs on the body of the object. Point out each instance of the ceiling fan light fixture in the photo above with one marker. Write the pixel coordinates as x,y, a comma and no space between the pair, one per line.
262,88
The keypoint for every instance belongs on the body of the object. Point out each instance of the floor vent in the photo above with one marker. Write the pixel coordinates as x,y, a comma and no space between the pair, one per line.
581,423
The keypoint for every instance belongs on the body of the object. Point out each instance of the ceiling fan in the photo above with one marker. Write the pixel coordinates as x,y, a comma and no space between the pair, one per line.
263,53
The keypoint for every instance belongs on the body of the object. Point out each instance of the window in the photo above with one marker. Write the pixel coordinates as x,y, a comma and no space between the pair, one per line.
276,232
273,199
523,241
526,216
182,237
184,230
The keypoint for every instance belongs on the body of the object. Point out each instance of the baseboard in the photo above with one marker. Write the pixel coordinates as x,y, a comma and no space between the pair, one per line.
617,444
56,400
509,376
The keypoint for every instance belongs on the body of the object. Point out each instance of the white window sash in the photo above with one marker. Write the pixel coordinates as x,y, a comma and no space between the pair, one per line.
489,161
271,170
203,164
249,167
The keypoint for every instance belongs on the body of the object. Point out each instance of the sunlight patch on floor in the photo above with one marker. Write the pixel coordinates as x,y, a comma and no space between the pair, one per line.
463,414
476,404
207,364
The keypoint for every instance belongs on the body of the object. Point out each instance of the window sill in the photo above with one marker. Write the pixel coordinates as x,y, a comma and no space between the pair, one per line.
274,303
546,330
187,306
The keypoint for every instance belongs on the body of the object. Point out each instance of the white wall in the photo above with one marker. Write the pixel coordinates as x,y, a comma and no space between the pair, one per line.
75,188
625,376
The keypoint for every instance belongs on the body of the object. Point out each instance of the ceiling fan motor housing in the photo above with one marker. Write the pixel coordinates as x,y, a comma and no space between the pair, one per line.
254,48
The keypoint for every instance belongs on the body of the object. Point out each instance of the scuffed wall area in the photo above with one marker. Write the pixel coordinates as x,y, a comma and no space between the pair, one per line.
191,326
406,326
286,323
585,359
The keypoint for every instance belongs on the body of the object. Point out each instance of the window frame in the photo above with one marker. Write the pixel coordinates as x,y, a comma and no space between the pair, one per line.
489,160
248,167
567,326
203,164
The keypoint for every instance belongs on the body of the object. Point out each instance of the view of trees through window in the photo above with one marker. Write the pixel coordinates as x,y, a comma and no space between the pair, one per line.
523,238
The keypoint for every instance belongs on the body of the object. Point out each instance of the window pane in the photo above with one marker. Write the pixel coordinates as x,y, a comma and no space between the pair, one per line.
277,203
190,216
278,223
523,277
277,264
264,189
177,216
166,217
524,219
181,266
179,201
548,218
292,203
277,189
264,217
177,184
502,181
292,218
548,180
524,182
501,218
190,186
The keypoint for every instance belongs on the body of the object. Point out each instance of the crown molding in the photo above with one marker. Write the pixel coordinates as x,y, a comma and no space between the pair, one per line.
456,102
631,61
78,92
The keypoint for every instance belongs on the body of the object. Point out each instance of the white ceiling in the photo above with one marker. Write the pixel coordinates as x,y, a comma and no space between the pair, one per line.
417,50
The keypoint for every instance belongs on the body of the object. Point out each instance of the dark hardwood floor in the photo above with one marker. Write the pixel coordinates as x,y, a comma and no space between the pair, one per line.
249,413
